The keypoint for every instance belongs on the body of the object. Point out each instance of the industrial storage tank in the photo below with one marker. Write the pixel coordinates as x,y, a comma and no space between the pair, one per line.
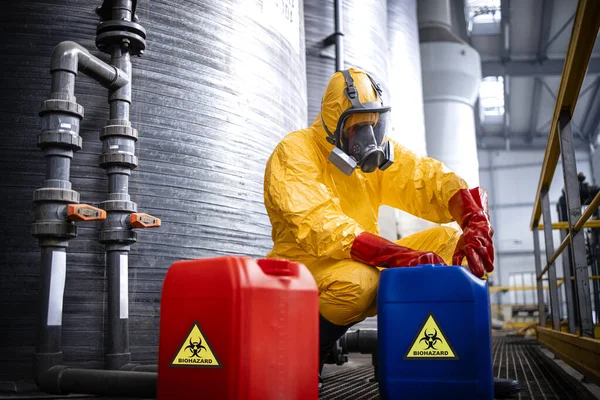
364,25
219,84
406,91
380,37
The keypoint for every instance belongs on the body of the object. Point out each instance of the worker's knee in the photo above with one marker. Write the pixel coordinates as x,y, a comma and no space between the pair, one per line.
447,235
441,240
349,298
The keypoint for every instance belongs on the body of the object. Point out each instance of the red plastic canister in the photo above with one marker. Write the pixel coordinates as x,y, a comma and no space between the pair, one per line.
236,328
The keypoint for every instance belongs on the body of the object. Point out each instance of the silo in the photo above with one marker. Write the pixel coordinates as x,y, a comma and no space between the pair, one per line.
217,87
408,124
382,38
364,25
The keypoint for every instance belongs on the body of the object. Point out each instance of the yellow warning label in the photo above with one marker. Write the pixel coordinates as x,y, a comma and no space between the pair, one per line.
431,343
195,351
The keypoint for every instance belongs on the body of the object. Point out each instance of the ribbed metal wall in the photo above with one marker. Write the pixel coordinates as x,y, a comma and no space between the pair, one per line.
365,43
406,91
219,85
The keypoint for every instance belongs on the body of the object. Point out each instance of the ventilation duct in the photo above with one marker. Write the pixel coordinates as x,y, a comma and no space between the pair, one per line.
451,79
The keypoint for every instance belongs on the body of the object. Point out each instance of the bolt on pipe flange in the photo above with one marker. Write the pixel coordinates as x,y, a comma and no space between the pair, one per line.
117,32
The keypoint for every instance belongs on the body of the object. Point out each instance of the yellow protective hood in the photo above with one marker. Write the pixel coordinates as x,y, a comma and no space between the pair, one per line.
316,211
335,102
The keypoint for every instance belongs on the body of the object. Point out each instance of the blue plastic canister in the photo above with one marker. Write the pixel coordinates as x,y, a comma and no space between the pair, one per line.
434,338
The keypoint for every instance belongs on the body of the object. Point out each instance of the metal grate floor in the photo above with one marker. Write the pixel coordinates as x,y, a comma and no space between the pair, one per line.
514,357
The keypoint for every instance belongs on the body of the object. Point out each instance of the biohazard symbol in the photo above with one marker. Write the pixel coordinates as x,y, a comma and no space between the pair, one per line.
195,351
195,347
431,339
431,342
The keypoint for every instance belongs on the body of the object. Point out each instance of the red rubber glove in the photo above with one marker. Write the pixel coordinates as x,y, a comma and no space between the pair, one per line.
379,252
469,209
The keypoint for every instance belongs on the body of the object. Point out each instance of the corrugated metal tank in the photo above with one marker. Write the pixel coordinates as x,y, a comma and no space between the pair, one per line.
365,46
406,91
219,84
365,43
380,37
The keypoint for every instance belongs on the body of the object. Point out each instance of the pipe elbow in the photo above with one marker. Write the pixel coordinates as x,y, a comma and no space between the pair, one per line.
66,57
47,372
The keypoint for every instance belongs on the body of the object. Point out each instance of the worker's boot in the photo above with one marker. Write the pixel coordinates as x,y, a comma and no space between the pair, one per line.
329,333
505,387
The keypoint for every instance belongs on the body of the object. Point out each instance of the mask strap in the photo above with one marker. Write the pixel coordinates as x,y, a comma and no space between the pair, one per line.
350,91
377,88
330,136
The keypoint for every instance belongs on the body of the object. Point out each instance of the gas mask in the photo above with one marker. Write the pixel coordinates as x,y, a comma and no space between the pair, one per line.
359,134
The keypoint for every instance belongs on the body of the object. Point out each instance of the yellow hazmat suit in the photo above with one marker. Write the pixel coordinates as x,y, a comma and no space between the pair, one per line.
317,211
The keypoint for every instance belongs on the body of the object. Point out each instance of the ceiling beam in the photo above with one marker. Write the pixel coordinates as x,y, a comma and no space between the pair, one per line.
536,100
546,23
519,141
531,68
505,9
542,55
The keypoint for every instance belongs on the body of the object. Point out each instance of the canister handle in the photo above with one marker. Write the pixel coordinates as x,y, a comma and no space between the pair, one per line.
278,267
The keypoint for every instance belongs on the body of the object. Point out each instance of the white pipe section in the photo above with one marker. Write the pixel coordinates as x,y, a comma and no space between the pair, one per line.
432,13
451,77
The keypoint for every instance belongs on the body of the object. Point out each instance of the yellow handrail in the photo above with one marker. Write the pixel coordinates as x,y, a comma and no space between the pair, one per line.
578,225
583,37
594,224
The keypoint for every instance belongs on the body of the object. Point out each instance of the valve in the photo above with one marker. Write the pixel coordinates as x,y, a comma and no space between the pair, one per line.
85,212
141,220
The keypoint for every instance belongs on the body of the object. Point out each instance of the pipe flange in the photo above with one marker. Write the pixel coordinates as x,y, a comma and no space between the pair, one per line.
118,205
54,229
122,33
61,139
119,130
56,194
113,159
123,236
64,106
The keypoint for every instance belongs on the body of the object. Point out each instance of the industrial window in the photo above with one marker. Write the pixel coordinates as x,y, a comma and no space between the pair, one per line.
484,16
492,95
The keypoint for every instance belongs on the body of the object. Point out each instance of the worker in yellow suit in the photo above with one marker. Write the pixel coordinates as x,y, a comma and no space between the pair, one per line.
323,189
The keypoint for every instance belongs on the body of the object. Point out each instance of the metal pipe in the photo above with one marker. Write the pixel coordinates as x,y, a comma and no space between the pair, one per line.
339,39
362,341
118,158
140,368
59,139
64,380
69,57
561,208
554,304
540,287
582,296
